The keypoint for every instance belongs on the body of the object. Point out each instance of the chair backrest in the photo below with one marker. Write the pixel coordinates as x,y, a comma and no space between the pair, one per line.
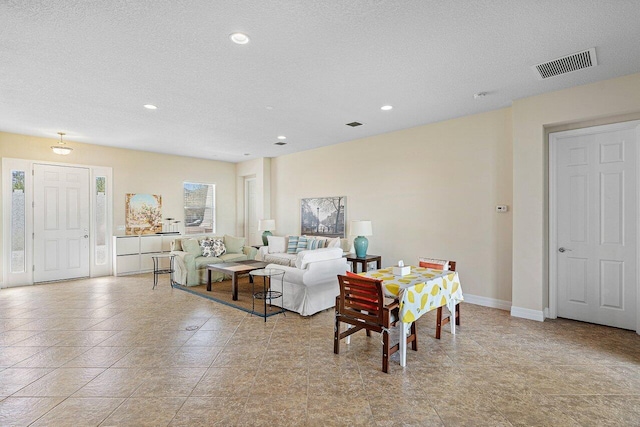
431,262
361,299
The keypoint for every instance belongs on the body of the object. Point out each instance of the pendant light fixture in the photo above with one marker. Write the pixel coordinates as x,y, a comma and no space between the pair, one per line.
61,148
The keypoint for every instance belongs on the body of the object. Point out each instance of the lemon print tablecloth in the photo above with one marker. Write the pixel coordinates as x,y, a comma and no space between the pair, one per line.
420,291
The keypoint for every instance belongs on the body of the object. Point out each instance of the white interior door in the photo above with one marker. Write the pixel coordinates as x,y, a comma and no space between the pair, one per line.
596,224
61,222
251,216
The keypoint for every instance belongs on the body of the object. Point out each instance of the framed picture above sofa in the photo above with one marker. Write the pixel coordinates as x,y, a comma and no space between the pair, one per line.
323,216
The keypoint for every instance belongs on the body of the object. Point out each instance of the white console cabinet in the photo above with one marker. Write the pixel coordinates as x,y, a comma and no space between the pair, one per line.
132,254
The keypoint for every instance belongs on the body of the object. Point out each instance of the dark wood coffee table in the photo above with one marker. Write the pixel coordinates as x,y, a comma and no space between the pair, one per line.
233,269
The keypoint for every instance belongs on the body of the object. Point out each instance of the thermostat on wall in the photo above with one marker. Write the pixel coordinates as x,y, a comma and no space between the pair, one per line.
502,208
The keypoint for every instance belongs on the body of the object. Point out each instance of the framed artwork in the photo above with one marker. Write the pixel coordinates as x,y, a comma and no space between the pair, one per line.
143,214
323,216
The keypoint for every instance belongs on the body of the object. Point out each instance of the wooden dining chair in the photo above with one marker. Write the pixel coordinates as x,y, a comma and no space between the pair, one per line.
440,264
361,306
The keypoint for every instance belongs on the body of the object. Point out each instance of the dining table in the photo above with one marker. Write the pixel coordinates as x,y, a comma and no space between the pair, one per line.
418,292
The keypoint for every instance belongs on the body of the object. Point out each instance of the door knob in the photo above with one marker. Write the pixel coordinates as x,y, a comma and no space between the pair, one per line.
86,236
563,250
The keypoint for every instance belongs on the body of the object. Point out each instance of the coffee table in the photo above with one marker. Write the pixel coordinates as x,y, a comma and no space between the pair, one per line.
233,269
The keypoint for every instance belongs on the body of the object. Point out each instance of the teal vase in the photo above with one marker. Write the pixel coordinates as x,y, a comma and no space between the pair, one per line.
361,244
266,233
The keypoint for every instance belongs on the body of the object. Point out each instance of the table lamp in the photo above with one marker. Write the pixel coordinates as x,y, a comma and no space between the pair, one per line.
266,225
361,228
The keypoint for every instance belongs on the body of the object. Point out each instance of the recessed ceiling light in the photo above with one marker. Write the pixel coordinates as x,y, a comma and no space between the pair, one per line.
479,95
282,137
269,107
239,38
247,154
280,143
150,107
386,107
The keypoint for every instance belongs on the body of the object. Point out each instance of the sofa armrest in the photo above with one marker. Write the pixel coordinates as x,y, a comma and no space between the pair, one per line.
250,252
264,250
291,274
187,259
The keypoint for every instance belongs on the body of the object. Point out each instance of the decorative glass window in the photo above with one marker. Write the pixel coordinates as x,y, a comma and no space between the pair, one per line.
18,213
101,220
199,208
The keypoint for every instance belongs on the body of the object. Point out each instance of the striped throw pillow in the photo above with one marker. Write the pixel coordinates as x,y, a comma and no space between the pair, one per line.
292,246
312,243
302,244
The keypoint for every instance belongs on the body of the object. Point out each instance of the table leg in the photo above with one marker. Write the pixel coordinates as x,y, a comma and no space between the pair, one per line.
155,272
404,328
208,280
264,289
379,263
452,319
234,286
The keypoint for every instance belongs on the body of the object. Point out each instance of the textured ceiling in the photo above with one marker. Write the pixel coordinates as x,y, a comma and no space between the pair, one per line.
86,67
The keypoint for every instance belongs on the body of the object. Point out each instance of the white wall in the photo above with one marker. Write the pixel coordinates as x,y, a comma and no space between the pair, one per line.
429,190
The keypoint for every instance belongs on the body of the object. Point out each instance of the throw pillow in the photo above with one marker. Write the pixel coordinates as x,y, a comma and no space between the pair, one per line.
234,245
312,243
218,248
333,243
293,244
205,246
320,242
302,244
277,244
192,246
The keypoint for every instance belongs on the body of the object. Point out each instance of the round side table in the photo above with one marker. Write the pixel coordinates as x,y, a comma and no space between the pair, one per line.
158,268
268,293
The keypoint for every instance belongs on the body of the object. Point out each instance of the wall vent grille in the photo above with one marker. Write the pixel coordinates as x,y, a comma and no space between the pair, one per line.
566,64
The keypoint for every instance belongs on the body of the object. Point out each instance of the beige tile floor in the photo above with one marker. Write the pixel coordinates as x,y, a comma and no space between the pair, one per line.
112,352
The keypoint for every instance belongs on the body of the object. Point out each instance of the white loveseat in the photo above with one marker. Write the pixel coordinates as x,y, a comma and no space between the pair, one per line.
311,285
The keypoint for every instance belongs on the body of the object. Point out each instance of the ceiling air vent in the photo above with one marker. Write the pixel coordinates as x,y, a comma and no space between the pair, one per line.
354,124
566,64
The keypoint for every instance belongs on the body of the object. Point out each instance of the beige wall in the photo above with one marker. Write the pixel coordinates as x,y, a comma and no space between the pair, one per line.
595,102
139,172
429,190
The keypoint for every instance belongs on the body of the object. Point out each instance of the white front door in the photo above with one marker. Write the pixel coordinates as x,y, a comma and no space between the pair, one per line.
61,222
596,209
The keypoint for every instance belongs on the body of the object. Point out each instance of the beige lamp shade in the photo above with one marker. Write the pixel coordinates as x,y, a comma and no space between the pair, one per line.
361,228
267,225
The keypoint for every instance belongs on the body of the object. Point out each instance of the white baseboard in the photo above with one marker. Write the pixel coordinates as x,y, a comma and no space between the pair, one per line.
524,313
527,313
487,302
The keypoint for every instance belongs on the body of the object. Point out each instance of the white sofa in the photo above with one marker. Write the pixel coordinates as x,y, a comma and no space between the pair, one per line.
276,251
311,285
